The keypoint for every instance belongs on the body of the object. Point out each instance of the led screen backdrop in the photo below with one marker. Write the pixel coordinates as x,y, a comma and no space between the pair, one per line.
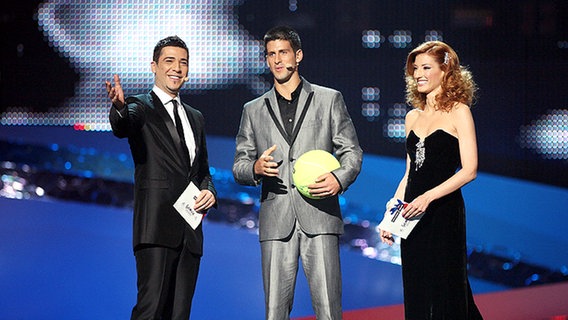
58,54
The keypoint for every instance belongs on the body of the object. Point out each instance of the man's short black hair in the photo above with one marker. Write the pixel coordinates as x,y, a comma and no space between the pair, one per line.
284,33
171,41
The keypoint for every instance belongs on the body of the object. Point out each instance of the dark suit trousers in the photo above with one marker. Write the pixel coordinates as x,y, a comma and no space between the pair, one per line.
166,282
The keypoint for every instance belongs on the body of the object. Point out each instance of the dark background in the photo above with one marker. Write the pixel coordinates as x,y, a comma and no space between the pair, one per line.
516,50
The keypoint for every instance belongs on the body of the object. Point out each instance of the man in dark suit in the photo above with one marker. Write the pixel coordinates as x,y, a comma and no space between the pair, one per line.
292,118
167,141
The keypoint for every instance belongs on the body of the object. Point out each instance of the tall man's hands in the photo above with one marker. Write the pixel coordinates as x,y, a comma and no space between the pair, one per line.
326,186
265,165
115,94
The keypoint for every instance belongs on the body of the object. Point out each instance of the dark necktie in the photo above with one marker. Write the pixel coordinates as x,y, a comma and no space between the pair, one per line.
179,128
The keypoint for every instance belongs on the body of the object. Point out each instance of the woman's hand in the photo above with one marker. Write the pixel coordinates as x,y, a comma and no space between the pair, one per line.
386,237
417,207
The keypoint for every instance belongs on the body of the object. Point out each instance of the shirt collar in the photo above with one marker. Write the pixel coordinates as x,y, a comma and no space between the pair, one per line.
295,93
164,97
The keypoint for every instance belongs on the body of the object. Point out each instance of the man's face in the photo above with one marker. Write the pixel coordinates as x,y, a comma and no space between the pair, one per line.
171,69
282,60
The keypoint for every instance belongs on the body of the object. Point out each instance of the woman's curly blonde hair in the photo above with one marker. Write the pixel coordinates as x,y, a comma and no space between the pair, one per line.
457,84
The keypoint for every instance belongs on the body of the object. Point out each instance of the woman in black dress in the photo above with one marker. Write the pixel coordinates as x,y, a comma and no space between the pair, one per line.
441,158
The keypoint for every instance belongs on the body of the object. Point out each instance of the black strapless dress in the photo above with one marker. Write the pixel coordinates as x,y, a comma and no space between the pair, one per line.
434,261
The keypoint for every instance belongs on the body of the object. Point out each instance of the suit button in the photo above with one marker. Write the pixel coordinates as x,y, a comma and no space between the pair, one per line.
292,186
292,159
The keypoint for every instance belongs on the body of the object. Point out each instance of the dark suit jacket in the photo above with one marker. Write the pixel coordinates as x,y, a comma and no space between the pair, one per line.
160,173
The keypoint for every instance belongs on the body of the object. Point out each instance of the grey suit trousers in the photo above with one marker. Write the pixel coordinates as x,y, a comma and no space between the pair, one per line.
320,260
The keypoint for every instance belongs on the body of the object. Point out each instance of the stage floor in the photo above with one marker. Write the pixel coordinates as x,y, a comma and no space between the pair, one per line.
66,260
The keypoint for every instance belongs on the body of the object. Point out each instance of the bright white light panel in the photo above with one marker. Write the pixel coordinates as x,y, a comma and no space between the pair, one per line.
101,38
547,136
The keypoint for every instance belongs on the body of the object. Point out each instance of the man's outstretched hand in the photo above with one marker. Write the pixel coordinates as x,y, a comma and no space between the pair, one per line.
115,93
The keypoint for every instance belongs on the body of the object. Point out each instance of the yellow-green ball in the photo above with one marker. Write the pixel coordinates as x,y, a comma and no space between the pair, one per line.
311,165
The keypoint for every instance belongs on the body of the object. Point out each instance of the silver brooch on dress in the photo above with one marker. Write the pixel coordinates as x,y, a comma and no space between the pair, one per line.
420,154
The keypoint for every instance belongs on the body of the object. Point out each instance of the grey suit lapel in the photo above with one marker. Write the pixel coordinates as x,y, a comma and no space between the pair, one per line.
274,110
304,94
304,102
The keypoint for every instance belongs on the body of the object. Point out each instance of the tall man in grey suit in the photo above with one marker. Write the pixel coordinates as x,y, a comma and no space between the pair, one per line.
167,140
292,118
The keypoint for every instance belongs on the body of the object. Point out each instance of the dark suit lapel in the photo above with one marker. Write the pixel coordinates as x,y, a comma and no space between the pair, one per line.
163,113
161,110
196,131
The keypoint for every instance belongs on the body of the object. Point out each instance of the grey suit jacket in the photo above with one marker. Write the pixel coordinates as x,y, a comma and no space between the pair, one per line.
326,125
